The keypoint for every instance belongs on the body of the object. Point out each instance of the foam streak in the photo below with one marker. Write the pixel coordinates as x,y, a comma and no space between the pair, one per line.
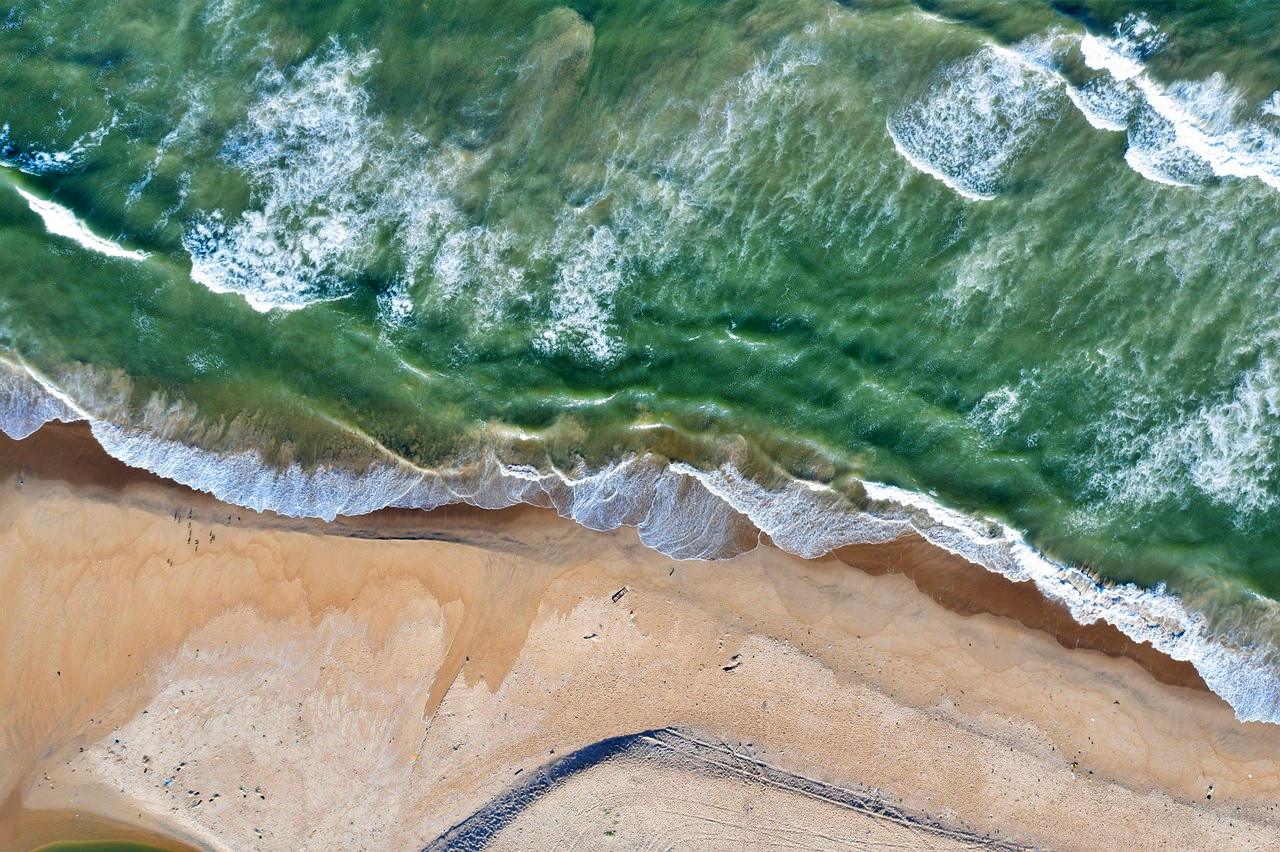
60,221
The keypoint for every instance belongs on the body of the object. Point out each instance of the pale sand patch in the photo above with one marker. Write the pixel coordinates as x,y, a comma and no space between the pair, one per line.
291,672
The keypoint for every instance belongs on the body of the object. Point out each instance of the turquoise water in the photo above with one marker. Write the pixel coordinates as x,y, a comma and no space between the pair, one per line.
1017,259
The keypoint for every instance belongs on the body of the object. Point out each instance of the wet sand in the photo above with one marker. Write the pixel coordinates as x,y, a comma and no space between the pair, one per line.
238,680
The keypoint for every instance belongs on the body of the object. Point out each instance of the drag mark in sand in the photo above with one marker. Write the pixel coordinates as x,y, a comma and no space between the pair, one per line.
673,746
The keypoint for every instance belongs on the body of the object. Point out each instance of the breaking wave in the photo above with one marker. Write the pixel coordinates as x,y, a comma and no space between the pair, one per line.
26,403
1183,133
977,118
982,113
687,513
61,222
306,148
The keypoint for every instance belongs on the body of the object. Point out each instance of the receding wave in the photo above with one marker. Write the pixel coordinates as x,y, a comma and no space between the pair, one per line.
26,403
686,512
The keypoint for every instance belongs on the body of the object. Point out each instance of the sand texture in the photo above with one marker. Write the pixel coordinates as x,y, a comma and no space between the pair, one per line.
240,681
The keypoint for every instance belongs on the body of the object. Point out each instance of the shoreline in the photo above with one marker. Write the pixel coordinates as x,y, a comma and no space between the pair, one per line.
687,512
69,452
466,636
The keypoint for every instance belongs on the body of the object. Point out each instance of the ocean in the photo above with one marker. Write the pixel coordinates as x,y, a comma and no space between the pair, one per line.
1002,274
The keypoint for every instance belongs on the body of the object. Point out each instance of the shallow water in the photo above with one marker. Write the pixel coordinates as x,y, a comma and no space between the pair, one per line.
99,846
1014,259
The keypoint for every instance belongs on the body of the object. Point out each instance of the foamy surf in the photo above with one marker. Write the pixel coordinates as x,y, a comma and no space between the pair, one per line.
61,222
27,401
51,161
686,513
932,171
972,124
1227,151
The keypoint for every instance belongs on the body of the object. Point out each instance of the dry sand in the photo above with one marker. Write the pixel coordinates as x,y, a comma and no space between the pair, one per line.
231,680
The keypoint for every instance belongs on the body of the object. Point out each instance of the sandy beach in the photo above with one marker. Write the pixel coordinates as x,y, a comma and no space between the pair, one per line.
193,674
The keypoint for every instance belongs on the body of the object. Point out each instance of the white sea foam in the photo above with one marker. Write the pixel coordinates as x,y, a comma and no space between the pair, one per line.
395,305
933,171
242,477
1227,449
1237,152
470,267
1103,104
27,401
980,115
306,145
592,269
51,162
690,513
61,222
1100,54
996,412
976,119
1155,153
1193,121
330,179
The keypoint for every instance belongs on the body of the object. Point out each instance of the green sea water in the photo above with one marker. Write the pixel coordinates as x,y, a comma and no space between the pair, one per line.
1018,257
